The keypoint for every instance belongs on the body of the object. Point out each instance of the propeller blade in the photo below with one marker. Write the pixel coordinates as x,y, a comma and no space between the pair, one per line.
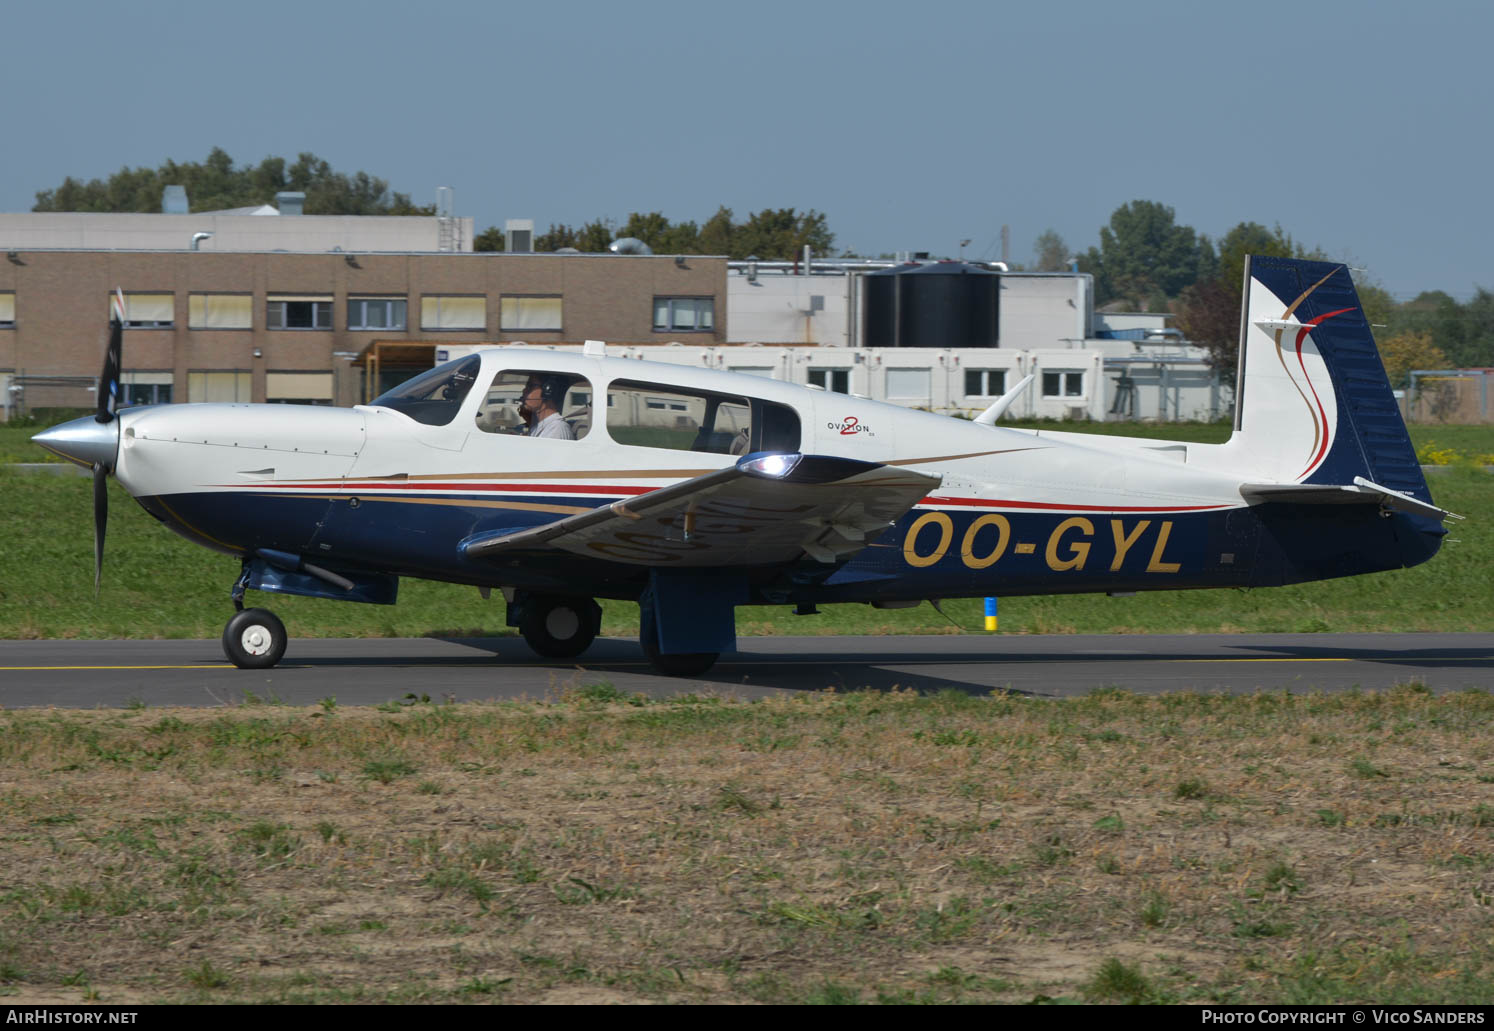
100,521
108,392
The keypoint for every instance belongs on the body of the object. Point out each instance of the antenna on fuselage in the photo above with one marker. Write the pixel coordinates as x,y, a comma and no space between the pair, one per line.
1002,403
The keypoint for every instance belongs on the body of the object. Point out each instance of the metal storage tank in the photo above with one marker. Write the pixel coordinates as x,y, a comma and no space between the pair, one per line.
944,304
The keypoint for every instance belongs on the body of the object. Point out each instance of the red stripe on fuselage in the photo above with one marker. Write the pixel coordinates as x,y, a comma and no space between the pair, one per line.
1049,506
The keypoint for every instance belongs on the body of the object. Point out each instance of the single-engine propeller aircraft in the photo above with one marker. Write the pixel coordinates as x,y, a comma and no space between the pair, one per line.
562,478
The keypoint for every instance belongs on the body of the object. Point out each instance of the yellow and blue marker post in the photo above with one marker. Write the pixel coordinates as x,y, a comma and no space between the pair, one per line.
990,614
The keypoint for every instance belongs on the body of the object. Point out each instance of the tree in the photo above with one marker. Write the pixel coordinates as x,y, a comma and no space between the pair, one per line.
1051,254
490,239
781,234
1209,315
1209,310
662,235
1143,252
1407,351
215,184
592,238
771,234
1250,238
717,232
1476,350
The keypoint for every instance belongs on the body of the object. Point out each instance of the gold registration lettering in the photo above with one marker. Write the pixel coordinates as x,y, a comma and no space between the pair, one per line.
1003,537
910,543
1156,565
1123,543
1078,551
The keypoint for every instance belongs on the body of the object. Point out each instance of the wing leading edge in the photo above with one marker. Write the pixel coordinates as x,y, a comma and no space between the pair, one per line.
765,509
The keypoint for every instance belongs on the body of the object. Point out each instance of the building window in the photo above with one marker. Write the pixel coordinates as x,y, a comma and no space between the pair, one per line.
376,313
218,386
449,312
908,384
220,311
534,314
145,388
298,388
298,312
835,380
7,311
684,314
148,311
985,382
1063,384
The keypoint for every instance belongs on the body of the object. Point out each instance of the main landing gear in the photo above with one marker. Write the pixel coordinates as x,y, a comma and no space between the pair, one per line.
557,627
253,638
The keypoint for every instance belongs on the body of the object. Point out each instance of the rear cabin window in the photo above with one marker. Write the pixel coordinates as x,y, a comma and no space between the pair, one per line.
667,416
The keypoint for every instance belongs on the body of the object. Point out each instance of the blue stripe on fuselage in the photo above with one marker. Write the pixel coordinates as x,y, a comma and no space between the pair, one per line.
944,553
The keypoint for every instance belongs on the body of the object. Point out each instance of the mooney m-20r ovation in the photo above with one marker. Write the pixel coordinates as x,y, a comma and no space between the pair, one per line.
563,478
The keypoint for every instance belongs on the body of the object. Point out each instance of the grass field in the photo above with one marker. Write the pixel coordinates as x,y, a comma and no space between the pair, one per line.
818,848
158,585
823,848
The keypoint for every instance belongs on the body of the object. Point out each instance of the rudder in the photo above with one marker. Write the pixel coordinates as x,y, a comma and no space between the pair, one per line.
1313,403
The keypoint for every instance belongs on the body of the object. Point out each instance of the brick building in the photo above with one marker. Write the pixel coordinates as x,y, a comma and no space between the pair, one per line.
299,327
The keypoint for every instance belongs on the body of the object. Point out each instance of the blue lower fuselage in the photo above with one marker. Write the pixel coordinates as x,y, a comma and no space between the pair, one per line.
929,553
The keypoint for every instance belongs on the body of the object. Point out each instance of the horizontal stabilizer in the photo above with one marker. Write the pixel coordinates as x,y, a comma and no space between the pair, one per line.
767,508
1361,492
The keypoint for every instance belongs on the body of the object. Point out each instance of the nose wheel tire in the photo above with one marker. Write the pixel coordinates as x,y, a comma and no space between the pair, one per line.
254,639
560,628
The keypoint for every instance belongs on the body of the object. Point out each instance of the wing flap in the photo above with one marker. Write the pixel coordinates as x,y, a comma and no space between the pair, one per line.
765,509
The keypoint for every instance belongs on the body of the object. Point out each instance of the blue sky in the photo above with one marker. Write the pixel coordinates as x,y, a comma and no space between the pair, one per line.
1361,128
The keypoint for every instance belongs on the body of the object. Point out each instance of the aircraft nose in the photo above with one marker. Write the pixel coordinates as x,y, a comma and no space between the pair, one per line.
85,441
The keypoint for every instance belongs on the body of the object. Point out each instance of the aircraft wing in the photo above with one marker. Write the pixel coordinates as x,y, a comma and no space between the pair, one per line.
766,509
1361,492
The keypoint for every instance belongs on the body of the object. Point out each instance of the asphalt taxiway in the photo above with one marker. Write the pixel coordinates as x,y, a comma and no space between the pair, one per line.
89,674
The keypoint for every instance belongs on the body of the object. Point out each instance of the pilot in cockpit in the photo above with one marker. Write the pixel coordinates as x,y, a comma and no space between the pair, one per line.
540,407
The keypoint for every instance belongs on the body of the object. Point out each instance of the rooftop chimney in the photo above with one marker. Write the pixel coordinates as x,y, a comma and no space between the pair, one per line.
174,200
290,203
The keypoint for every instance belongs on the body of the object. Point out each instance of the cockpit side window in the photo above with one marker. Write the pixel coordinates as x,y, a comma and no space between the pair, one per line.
433,397
533,403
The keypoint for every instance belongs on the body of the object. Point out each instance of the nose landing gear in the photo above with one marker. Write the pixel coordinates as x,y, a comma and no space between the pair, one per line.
253,638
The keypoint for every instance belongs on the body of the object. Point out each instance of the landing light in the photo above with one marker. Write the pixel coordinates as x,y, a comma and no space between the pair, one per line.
774,466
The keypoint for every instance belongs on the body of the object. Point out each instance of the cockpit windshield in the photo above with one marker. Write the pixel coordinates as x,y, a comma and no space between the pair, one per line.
433,397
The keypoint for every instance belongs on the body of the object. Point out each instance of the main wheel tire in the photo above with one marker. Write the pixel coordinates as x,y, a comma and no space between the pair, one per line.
254,639
689,664
560,628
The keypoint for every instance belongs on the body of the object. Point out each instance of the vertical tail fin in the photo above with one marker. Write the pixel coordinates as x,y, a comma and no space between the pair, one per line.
1313,403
